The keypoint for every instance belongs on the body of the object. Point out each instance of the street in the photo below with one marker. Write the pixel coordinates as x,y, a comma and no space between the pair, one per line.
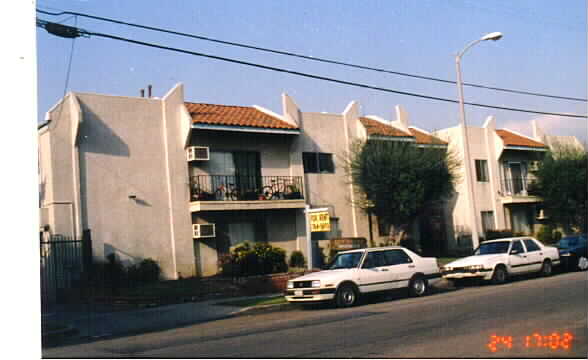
453,323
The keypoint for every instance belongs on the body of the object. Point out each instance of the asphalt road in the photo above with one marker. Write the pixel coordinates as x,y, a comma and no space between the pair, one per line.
452,323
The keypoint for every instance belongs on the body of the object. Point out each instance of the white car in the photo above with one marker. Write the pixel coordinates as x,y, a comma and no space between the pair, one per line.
496,260
356,272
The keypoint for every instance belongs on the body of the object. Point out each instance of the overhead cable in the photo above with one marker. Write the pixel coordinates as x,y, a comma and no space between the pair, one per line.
43,24
307,57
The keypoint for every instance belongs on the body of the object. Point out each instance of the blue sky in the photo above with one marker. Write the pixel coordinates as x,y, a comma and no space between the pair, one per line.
543,50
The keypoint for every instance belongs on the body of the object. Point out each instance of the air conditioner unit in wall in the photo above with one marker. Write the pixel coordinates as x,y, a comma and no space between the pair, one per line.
203,231
201,153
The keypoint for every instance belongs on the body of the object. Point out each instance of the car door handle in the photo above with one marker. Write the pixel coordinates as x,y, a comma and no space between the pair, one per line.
411,266
540,253
384,269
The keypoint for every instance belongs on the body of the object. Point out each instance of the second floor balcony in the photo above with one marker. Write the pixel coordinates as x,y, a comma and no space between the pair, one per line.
218,192
519,189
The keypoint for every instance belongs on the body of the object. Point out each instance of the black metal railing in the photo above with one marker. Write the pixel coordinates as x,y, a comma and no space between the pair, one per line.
239,187
519,186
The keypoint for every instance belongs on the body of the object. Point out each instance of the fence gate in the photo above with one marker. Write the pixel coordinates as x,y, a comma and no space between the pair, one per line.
63,260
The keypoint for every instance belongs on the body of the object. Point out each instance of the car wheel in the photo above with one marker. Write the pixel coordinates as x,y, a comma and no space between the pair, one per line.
500,275
418,286
582,263
346,296
546,268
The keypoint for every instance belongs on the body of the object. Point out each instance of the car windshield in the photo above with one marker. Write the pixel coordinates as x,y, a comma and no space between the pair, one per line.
571,241
499,247
346,261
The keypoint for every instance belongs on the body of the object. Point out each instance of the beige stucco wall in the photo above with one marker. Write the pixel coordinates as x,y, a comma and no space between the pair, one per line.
116,165
326,133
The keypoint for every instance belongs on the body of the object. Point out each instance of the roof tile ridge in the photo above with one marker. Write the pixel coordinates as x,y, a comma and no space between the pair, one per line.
522,135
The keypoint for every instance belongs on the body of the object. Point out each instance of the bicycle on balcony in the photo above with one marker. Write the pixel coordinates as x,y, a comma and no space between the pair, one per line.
281,189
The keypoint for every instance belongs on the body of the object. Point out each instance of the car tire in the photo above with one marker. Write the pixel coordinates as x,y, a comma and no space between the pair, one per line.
582,264
500,275
418,286
546,268
346,296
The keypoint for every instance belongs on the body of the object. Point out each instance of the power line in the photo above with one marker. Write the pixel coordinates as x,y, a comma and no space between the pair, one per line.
306,57
66,31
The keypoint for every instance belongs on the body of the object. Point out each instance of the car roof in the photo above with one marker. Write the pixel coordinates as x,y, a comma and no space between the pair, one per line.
508,239
372,249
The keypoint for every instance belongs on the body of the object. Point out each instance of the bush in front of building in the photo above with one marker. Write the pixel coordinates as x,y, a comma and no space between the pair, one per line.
147,271
297,259
259,259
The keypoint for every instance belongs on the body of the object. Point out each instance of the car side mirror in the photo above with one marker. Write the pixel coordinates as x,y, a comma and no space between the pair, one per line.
514,252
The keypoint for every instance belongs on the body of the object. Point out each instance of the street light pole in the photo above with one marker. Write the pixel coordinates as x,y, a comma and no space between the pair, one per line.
464,132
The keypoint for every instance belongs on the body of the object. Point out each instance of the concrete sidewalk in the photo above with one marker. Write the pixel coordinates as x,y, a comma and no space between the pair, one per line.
91,322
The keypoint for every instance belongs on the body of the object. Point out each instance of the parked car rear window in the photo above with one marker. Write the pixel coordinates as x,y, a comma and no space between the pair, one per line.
498,247
374,259
531,245
395,257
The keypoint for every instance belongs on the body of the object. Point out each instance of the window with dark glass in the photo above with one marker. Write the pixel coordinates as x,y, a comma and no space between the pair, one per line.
518,247
482,170
531,246
315,163
397,257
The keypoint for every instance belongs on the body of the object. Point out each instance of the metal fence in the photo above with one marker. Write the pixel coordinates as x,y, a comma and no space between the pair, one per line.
63,261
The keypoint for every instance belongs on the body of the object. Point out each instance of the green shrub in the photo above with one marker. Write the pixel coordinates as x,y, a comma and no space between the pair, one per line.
261,258
147,271
545,234
297,259
556,236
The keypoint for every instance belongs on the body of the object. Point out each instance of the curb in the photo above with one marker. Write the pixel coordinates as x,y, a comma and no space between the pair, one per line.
262,309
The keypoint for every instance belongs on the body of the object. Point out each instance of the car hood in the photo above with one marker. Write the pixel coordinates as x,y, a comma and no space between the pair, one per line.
322,275
476,260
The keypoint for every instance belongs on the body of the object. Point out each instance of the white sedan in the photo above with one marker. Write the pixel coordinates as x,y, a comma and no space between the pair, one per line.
357,272
496,260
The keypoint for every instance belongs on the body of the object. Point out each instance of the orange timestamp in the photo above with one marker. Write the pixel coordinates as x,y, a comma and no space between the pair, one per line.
553,341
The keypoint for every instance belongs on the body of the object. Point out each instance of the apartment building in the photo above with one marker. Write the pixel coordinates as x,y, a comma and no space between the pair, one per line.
500,177
183,183
324,143
155,178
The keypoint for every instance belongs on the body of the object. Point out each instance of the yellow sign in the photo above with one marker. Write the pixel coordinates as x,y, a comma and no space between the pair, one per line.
320,221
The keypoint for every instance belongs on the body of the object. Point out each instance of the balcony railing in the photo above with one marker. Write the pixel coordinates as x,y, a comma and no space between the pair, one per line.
520,186
238,187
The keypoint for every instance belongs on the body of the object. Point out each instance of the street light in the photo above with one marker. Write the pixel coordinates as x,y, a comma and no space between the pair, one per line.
491,36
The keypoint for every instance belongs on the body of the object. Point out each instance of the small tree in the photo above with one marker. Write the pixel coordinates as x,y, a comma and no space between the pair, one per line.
397,180
562,183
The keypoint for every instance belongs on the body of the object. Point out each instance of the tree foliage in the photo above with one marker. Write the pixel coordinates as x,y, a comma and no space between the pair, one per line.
562,183
397,180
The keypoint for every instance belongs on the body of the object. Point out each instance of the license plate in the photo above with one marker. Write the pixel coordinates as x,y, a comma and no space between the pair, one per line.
297,292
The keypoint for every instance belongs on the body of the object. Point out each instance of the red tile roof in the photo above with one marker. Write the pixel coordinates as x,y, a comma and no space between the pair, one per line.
375,127
234,116
424,138
511,139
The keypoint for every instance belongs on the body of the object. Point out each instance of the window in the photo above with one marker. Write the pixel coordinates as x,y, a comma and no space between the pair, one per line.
482,170
317,163
487,220
518,246
531,246
375,259
396,257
